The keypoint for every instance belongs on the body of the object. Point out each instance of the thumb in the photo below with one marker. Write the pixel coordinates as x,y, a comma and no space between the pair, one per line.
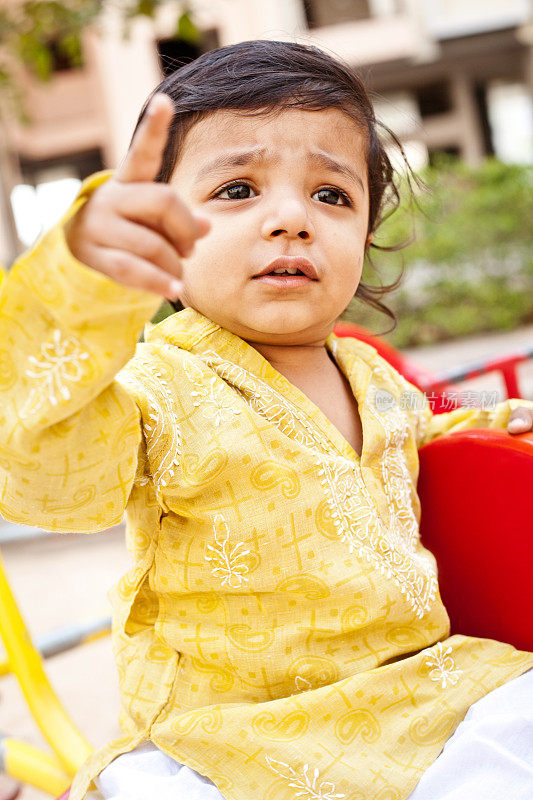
520,420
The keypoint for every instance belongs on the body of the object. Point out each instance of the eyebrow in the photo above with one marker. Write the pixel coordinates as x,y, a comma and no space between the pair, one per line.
243,158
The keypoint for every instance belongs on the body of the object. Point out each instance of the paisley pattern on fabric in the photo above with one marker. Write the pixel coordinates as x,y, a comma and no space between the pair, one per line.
391,548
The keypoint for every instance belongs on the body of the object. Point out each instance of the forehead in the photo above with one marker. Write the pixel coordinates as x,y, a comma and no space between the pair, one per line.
294,131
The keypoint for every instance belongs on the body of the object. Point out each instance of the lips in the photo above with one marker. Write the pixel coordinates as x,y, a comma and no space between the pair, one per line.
290,262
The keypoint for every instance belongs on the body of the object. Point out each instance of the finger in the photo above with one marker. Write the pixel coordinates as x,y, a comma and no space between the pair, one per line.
143,242
135,272
520,421
143,159
160,207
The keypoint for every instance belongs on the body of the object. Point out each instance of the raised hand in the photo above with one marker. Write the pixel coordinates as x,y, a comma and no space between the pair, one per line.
133,229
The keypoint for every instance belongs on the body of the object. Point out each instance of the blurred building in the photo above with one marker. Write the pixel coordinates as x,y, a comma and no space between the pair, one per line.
446,75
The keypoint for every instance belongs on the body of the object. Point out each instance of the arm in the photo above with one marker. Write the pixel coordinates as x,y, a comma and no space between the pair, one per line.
69,433
70,314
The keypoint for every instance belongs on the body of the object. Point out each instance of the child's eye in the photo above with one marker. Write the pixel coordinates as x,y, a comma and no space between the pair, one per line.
243,191
331,197
235,191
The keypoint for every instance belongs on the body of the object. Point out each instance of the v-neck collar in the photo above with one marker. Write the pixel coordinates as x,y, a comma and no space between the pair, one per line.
191,330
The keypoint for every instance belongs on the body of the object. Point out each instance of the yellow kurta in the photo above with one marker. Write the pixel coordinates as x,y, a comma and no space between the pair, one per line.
280,629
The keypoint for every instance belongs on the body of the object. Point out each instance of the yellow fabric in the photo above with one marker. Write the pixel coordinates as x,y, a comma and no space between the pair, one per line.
280,629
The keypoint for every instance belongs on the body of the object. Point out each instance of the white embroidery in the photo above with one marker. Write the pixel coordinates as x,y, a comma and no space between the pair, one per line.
228,567
423,417
59,361
418,566
308,784
268,402
444,669
161,424
383,545
392,546
215,407
211,395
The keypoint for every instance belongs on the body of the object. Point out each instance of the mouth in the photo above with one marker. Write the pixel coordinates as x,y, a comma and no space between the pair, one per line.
288,271
284,281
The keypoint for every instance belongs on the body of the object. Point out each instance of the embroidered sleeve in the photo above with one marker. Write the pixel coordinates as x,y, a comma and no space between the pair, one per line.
69,432
146,378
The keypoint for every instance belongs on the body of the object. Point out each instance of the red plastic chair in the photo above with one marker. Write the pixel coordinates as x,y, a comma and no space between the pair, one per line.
475,493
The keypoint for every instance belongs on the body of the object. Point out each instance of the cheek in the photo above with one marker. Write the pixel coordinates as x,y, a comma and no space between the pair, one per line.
349,234
210,270
203,257
350,275
222,237
222,254
350,250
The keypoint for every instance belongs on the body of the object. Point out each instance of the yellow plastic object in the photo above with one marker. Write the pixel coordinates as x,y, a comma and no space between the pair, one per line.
25,763
26,664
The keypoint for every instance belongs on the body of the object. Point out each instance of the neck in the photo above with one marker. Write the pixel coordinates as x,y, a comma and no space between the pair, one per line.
295,359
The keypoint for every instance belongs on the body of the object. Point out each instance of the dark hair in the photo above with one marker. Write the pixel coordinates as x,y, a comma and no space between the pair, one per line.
263,77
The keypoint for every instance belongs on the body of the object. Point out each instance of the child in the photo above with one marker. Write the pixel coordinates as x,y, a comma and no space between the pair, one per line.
280,634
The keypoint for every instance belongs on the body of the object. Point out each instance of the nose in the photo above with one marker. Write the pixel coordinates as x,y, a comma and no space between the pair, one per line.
288,217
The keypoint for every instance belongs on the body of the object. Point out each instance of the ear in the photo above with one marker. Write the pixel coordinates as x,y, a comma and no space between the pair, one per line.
369,240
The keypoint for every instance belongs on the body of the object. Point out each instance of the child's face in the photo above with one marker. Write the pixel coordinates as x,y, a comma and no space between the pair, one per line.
283,204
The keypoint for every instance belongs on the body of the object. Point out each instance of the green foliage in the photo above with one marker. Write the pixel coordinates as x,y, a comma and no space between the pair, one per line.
470,268
34,29
186,29
146,8
36,32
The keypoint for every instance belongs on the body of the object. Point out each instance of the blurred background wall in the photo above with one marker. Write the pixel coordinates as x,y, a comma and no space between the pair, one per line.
452,76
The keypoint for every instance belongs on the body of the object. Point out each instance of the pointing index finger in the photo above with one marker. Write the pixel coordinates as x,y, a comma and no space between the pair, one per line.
143,159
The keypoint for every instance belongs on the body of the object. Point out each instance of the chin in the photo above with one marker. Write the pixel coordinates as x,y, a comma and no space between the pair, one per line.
279,330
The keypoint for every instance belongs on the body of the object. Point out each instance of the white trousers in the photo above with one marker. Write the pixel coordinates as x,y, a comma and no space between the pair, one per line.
489,757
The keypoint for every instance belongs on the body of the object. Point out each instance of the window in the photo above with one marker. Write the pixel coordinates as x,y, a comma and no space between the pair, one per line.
333,12
173,53
65,54
433,98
